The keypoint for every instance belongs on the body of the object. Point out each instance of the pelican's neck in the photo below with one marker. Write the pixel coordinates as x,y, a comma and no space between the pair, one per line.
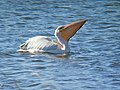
62,42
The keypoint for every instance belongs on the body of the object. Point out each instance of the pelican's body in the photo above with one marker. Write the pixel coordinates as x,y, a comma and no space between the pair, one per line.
42,44
45,44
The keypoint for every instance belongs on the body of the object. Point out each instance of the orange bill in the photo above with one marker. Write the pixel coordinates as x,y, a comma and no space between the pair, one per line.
69,30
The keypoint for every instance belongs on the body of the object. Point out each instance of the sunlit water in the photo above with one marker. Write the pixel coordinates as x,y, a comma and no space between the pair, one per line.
94,60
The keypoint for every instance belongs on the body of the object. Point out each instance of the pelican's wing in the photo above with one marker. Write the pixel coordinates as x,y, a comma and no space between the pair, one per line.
39,42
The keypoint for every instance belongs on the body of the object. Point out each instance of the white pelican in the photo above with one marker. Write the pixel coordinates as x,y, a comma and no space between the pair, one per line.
45,44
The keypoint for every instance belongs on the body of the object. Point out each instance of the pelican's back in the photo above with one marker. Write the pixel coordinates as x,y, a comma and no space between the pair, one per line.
39,42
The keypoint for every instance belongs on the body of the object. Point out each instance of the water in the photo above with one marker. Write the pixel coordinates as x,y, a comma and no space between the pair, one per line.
94,60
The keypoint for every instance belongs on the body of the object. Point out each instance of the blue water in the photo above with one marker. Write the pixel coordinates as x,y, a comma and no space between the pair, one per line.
94,60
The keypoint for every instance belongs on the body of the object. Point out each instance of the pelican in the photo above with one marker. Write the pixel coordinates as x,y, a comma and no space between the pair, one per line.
39,44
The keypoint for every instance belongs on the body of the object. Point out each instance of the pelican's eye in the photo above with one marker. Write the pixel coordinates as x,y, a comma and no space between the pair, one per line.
61,28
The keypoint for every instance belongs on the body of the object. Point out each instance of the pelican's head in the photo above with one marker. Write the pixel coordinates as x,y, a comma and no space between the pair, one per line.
69,30
59,30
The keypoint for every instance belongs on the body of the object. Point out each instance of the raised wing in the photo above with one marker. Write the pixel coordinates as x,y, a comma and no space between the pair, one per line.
39,42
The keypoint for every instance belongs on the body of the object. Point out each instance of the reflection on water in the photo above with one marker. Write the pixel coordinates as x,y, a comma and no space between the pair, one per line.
93,63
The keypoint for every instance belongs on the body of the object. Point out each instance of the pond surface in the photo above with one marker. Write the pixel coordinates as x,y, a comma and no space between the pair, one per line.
94,60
